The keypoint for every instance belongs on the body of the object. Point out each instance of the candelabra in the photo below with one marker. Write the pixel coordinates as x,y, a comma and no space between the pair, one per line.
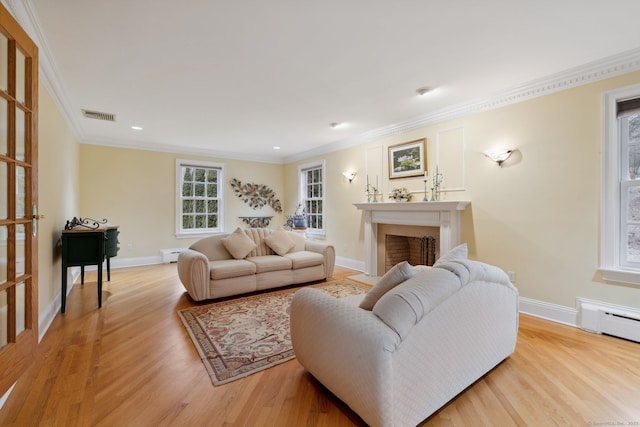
435,190
371,190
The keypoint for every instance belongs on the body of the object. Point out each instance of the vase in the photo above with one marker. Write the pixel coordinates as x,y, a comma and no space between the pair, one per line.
401,200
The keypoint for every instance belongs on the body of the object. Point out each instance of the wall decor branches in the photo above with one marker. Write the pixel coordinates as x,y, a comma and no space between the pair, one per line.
256,195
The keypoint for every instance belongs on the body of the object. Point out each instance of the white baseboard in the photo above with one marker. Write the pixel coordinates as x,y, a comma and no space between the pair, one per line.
553,312
350,263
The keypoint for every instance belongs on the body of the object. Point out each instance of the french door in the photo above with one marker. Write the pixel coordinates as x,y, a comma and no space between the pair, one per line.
18,200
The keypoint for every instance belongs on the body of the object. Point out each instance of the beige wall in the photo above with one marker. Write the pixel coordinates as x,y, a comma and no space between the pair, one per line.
537,216
58,197
136,190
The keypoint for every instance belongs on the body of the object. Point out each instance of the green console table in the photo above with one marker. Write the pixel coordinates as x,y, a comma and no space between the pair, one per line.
82,247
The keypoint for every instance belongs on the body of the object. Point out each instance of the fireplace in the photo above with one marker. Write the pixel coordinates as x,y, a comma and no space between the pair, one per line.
439,220
412,243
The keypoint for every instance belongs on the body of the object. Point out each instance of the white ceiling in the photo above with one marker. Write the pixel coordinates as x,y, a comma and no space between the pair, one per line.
240,77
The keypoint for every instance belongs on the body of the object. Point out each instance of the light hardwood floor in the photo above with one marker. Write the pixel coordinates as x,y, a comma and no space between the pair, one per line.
132,363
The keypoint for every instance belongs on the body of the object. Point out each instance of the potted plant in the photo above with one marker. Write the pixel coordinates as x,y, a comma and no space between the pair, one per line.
298,220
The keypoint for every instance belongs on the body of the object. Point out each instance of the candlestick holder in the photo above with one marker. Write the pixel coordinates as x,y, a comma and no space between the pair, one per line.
371,191
425,198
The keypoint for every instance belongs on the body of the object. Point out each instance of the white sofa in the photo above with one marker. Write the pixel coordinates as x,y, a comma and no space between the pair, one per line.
228,264
425,341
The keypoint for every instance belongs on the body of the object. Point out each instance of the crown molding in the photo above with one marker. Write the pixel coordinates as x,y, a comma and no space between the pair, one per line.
193,151
623,63
23,12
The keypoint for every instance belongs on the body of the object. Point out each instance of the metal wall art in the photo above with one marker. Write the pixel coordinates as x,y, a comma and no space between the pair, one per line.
256,195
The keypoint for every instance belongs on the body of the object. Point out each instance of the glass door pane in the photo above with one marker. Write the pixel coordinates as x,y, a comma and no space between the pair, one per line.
21,249
4,62
20,134
21,308
4,129
4,183
21,62
4,319
4,254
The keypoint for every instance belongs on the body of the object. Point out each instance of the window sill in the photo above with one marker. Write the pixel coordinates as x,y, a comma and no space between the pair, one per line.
621,276
315,234
197,234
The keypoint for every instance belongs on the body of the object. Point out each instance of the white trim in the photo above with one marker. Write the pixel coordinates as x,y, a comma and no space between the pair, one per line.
611,66
353,264
610,226
4,398
553,312
314,232
180,163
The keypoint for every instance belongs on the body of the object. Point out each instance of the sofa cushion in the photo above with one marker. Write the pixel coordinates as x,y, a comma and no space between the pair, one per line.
303,259
298,239
267,263
227,268
396,275
459,252
403,306
238,244
280,242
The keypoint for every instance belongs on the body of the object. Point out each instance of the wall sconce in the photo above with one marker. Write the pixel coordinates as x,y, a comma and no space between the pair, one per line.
499,156
349,176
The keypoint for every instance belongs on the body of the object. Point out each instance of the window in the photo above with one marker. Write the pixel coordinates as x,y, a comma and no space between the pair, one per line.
620,240
199,197
312,196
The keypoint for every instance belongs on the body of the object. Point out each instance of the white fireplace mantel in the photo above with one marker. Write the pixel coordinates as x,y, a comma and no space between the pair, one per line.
445,215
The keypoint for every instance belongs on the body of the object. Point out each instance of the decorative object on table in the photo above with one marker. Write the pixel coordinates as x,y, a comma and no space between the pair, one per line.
371,191
256,221
400,194
426,178
256,195
408,159
298,221
242,336
437,182
84,222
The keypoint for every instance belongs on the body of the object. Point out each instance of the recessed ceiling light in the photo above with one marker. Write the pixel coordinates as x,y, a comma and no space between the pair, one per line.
136,127
423,90
336,125
276,148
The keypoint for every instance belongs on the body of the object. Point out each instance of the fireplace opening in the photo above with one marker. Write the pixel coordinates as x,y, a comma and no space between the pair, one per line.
415,250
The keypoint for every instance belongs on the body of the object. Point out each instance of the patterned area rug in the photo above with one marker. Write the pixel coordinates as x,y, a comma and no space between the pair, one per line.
242,336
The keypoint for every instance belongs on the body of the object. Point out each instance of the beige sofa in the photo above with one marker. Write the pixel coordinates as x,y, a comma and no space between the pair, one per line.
252,259
424,341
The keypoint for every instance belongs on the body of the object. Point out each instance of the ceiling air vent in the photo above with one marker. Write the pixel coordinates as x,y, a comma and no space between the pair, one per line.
99,115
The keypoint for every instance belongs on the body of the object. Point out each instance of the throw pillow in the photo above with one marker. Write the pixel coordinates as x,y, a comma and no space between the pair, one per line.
238,244
280,242
398,274
459,252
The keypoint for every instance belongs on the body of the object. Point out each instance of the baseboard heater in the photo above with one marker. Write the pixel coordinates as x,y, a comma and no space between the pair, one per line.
609,319
170,255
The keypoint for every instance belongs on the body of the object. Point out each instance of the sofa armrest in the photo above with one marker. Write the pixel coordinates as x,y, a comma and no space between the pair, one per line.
327,251
193,270
346,348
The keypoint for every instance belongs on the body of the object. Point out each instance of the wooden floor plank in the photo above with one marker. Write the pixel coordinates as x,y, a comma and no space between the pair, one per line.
132,363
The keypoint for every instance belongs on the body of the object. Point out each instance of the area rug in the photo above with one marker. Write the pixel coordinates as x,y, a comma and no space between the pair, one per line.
242,336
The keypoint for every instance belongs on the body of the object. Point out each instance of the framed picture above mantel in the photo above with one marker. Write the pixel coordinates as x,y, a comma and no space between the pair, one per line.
408,159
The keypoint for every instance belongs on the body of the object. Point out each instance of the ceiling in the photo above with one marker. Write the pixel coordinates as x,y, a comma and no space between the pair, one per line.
237,78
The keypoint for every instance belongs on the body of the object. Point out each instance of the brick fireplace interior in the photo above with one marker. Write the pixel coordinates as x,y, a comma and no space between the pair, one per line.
416,244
